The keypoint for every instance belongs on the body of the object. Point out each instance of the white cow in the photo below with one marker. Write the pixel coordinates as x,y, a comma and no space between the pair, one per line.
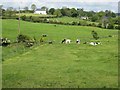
67,41
94,43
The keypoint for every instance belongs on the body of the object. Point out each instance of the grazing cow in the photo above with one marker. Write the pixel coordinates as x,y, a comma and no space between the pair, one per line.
67,41
4,42
63,41
44,35
98,43
50,42
78,41
94,43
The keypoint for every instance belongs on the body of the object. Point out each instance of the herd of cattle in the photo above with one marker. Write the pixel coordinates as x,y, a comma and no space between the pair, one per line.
6,42
78,41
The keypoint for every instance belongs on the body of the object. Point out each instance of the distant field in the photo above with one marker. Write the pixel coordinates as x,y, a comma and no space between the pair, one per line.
62,19
32,14
60,65
70,19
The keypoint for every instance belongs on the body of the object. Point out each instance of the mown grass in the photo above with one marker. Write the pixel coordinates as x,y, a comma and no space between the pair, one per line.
60,65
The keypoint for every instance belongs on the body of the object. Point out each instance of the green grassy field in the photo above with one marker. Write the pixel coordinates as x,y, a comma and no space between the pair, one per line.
32,14
61,19
67,19
60,65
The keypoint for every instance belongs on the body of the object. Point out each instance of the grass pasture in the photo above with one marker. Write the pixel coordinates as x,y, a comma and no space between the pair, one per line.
32,14
60,65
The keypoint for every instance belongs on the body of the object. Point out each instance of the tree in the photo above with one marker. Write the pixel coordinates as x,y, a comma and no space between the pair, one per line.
66,12
94,18
105,21
10,8
74,12
113,14
63,11
58,13
109,13
81,12
95,35
51,11
44,8
10,12
33,7
26,9
110,26
1,10
90,13
1,6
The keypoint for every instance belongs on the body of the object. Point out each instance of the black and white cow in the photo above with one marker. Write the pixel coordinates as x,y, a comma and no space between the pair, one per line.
78,41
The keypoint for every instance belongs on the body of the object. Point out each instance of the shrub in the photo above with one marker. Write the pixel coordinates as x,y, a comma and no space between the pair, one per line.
26,40
83,23
99,25
109,35
12,17
35,19
110,26
90,24
41,40
23,17
27,19
74,23
22,38
117,27
95,35
79,23
45,20
93,24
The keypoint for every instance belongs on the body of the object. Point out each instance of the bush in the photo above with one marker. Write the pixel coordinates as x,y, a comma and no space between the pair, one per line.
79,23
93,24
41,40
83,23
26,40
95,35
35,19
23,17
117,27
109,35
74,23
90,24
12,17
110,26
22,38
99,25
